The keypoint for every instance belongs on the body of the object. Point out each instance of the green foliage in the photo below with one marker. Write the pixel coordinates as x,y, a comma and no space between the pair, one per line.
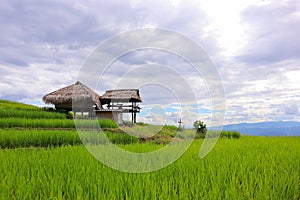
200,127
249,168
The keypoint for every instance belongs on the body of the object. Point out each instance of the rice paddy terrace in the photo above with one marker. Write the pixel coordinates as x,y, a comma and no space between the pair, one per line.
42,157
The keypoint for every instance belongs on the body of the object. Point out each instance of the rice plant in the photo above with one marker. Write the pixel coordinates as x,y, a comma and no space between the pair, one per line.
34,114
223,134
248,168
54,123
10,138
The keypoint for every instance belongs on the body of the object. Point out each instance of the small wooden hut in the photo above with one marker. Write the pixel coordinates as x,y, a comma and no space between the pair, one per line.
120,101
80,98
76,97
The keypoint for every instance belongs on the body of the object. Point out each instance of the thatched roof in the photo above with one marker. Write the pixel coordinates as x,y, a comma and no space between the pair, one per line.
77,92
121,95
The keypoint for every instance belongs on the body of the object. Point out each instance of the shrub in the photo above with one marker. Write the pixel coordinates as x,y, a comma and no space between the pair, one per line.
200,127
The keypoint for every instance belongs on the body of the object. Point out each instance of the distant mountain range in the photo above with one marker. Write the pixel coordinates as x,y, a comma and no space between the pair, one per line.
281,128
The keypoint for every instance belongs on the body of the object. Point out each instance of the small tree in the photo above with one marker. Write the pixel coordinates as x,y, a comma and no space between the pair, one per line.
200,127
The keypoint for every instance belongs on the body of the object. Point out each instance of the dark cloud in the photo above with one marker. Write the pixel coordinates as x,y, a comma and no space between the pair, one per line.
49,31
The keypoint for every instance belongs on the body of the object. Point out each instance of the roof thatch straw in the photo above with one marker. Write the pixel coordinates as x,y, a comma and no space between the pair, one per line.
121,95
76,92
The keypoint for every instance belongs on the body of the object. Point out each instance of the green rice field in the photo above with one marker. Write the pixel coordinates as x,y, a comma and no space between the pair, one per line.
50,162
249,168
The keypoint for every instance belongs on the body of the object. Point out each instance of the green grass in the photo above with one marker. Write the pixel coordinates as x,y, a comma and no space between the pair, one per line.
249,168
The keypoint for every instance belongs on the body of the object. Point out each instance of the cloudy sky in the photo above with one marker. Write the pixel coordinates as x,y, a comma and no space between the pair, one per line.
253,44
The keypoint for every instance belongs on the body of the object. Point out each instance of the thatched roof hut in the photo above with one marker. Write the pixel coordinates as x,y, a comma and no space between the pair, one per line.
123,101
121,95
79,98
77,94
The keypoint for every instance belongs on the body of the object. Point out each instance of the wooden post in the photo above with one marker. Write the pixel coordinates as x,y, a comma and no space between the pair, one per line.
134,117
134,110
180,128
132,120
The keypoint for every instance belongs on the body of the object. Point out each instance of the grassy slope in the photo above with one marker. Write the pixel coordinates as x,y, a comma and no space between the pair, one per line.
6,104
